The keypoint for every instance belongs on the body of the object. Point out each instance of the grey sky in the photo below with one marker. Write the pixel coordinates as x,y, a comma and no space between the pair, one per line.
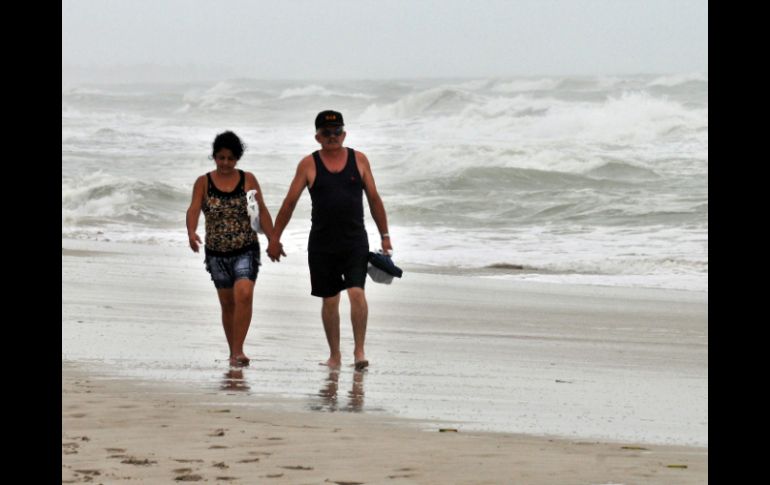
386,38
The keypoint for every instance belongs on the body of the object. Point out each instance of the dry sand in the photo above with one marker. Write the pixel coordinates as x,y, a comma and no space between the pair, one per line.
116,431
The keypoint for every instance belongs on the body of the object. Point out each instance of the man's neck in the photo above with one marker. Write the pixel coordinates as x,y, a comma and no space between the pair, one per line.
333,152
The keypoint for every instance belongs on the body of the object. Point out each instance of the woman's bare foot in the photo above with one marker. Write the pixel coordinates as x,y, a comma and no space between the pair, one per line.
239,360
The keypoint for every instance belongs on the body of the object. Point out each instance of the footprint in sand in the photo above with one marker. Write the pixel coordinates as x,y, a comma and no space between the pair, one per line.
298,467
217,447
188,478
218,432
136,461
115,450
221,464
252,460
89,472
69,448
182,460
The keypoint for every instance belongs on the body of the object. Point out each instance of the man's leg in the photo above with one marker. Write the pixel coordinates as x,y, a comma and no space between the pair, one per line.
330,314
359,314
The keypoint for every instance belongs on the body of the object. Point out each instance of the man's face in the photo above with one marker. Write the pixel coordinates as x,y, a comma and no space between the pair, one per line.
330,136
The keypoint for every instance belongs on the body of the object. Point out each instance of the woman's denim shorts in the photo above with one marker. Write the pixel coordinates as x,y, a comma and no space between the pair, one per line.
225,270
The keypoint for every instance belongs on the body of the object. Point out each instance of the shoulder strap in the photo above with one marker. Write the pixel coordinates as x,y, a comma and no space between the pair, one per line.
351,163
319,164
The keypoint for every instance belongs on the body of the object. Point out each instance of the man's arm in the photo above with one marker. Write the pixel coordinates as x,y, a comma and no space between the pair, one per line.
376,207
274,249
194,212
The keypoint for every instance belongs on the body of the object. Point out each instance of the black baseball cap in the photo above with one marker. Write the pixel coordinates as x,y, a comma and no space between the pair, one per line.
328,118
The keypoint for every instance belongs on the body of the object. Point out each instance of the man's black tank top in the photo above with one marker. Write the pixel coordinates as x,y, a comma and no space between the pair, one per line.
338,208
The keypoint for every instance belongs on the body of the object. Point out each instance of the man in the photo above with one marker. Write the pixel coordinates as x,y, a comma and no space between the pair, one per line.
338,246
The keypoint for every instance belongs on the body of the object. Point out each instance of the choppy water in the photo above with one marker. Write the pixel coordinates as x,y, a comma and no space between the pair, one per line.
600,180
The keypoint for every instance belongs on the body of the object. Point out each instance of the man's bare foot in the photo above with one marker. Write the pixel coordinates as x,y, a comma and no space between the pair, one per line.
360,360
333,362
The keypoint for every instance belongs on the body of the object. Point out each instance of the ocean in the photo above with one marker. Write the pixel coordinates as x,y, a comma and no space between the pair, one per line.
587,180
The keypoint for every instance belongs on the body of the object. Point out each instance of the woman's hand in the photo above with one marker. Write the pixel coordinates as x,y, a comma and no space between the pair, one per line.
195,241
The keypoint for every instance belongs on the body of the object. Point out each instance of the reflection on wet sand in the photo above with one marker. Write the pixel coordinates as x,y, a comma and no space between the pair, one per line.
233,381
356,393
328,394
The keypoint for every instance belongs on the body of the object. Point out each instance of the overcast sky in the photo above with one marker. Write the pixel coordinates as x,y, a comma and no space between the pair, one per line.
387,38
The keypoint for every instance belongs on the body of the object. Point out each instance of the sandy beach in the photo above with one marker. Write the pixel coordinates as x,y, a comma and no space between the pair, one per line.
542,383
120,430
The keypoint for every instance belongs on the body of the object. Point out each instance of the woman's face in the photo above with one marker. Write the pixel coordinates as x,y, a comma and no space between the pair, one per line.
225,160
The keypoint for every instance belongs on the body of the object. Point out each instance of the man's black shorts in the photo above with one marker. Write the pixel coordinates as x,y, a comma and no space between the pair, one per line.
331,273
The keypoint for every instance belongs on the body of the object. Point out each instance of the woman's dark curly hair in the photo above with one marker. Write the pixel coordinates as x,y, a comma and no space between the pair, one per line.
229,140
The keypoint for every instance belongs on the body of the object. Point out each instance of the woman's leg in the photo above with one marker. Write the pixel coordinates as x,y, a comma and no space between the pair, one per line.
243,295
227,302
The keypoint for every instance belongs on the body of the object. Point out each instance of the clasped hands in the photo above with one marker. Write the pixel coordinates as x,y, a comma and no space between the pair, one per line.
275,250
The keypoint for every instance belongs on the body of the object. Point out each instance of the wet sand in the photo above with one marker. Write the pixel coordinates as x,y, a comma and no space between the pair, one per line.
566,377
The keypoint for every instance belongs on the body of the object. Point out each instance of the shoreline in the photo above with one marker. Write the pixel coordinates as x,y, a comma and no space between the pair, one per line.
512,273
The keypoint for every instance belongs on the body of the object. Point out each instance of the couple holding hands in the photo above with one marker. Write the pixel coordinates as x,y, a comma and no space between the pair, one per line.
338,246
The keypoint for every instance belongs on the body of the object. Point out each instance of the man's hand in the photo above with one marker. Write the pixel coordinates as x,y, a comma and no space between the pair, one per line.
195,240
387,248
275,250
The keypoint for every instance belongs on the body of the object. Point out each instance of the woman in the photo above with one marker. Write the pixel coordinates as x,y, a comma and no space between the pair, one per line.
232,248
